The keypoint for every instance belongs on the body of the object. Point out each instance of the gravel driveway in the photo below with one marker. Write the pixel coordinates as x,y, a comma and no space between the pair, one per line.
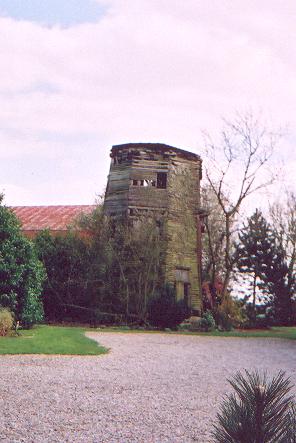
149,388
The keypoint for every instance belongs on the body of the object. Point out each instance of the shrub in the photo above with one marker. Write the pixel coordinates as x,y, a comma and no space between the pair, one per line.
21,273
230,314
260,411
207,322
6,321
165,311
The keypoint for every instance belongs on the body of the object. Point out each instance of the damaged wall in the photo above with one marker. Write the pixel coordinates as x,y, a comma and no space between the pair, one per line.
155,178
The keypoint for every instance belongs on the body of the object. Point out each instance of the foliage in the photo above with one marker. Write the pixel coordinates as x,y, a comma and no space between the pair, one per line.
131,255
21,273
51,340
6,321
260,411
165,311
230,313
275,286
254,248
106,275
207,322
136,251
261,259
73,285
283,222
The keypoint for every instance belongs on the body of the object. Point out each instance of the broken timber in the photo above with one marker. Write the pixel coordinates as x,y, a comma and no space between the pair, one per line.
154,177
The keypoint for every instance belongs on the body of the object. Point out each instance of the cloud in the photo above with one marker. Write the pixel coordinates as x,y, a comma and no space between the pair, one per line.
146,71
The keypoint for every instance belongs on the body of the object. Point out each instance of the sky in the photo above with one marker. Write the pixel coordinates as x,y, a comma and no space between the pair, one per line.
78,76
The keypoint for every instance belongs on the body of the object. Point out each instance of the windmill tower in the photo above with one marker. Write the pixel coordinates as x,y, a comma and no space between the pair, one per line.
157,178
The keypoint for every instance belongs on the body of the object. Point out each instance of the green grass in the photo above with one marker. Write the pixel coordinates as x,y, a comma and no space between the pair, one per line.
51,340
276,332
72,341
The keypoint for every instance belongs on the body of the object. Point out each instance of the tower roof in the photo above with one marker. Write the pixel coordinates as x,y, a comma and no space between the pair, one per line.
157,147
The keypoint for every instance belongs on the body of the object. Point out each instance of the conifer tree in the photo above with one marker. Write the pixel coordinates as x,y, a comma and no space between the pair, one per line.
261,410
260,256
275,278
255,251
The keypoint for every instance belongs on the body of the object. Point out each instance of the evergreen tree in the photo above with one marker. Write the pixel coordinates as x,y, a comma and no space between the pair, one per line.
254,251
261,410
260,256
21,274
275,276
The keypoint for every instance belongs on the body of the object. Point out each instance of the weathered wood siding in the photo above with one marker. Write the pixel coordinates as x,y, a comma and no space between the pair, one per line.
133,189
182,232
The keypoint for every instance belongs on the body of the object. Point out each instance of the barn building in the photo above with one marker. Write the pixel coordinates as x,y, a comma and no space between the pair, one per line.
57,219
152,178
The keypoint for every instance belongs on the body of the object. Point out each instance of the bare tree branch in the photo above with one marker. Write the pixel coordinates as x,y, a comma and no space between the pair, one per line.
235,169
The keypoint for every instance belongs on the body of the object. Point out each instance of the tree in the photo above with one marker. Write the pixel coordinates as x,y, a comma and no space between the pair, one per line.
261,256
213,239
283,221
136,249
71,290
275,285
260,411
21,273
255,251
235,169
106,272
132,256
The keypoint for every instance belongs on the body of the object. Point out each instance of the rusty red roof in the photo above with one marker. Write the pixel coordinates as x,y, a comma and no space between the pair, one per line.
54,218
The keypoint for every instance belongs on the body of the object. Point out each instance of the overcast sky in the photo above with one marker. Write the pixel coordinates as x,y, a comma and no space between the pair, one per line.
78,76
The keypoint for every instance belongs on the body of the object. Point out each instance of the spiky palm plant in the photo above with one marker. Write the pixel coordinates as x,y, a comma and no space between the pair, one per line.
260,411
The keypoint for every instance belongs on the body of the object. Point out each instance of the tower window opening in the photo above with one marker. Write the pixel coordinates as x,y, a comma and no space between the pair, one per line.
148,182
161,180
135,182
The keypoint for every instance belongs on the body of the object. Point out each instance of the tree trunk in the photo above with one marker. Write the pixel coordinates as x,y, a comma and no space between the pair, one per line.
254,295
228,264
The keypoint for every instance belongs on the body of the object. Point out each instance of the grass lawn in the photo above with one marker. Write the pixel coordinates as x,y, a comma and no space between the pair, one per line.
72,341
276,332
51,340
279,332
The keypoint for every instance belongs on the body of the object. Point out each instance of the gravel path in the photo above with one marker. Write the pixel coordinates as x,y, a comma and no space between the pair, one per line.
149,388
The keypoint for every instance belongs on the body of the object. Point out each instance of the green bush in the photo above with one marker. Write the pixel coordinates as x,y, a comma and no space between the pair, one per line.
70,288
260,322
165,311
21,273
6,321
260,411
207,322
230,314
